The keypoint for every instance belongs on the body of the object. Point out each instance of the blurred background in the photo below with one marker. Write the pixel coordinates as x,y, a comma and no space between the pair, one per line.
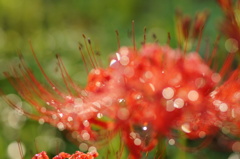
56,27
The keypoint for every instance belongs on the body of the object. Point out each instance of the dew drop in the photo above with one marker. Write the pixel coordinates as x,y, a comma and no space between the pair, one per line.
152,87
171,142
54,116
60,114
83,147
98,84
60,126
193,95
99,115
86,123
123,113
124,60
231,45
169,106
92,149
202,134
78,102
178,103
148,74
129,72
216,77
234,156
43,110
112,62
200,82
13,150
70,118
124,51
41,121
236,146
133,135
97,72
68,97
168,93
137,141
186,128
223,107
86,136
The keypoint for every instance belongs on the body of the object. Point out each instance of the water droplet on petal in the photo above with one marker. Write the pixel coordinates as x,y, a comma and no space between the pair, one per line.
186,128
99,115
168,93
137,141
86,123
178,103
223,107
70,118
216,77
169,105
193,95
60,126
123,113
148,74
124,60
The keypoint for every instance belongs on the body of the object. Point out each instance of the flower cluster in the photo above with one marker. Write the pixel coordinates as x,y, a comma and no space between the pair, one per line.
63,155
144,94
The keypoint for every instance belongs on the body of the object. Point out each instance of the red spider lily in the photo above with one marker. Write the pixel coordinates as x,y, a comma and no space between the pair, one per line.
144,94
63,155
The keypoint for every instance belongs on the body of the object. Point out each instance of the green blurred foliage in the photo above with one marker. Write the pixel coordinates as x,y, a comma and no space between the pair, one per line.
56,27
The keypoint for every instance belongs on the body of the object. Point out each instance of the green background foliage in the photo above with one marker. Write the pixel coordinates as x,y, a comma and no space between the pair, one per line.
56,27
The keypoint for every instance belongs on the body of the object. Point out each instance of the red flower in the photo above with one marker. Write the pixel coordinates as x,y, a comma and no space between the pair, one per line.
63,155
145,94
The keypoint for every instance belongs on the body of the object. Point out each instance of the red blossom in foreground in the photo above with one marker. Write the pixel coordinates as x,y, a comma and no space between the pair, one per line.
145,94
63,155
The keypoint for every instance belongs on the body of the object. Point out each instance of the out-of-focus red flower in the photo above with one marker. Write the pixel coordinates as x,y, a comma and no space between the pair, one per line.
41,155
63,155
